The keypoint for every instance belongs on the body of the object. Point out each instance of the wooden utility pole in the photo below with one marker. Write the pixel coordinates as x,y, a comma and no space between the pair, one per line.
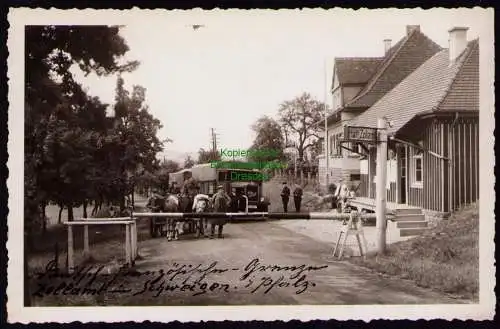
327,166
380,192
213,137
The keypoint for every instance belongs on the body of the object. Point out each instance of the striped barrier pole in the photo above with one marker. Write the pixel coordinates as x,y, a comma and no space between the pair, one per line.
305,215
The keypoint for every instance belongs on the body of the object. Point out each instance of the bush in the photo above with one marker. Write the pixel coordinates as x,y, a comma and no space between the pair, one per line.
446,258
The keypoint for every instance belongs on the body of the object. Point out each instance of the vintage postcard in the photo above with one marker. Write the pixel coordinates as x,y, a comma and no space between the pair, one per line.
250,165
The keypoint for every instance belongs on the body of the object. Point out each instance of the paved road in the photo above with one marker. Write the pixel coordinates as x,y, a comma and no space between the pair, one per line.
188,277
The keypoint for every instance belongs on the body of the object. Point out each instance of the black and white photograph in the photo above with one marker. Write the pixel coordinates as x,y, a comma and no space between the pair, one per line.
337,162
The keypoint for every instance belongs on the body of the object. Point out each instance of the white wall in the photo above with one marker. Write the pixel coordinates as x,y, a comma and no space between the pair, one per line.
336,93
337,99
363,167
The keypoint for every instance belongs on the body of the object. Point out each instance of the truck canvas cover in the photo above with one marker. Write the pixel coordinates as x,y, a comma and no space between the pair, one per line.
201,172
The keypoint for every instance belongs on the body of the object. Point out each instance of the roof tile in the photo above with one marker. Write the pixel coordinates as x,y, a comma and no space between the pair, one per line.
464,92
406,56
435,85
356,70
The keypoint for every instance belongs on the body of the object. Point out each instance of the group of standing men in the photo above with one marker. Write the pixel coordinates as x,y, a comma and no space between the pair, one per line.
297,197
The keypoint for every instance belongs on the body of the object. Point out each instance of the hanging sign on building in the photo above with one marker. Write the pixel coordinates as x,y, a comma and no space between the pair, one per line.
360,134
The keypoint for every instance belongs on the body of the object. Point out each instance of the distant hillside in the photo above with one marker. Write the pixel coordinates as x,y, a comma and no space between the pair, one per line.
177,156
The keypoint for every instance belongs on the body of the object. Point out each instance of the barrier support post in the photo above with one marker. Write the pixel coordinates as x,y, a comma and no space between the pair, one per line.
86,248
71,264
363,245
381,194
134,235
128,258
134,241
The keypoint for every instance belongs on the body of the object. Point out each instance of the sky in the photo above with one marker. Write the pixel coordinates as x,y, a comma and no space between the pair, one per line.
242,64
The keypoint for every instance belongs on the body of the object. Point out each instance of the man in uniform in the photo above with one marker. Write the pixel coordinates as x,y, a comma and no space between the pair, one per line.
156,203
190,188
297,197
154,200
173,187
221,202
285,195
234,200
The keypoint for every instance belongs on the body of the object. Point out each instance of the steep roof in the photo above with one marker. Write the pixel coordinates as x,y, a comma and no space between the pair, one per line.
434,86
464,92
355,70
406,56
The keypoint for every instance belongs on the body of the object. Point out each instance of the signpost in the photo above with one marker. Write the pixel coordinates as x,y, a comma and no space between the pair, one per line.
376,136
380,185
360,134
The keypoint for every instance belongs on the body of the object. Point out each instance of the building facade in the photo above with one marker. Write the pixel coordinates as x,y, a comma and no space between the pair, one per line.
357,84
433,147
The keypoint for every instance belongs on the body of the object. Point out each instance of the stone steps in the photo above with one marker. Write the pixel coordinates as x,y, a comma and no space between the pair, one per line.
412,231
409,218
407,211
410,222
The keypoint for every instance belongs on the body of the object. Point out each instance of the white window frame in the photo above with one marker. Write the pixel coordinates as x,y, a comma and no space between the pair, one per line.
417,156
353,147
332,144
337,98
337,150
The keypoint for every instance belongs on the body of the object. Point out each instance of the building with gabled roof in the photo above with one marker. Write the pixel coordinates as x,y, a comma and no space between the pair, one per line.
357,84
433,117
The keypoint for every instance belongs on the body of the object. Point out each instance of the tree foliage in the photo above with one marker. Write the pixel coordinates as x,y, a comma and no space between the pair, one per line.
205,156
73,152
298,119
162,175
170,166
189,162
269,137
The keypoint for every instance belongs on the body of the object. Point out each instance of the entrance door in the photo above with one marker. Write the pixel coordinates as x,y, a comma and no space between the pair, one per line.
403,165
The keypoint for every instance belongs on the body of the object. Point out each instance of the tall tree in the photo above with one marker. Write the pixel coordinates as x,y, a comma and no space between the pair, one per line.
54,100
133,141
56,110
268,137
205,156
170,165
298,119
163,173
188,162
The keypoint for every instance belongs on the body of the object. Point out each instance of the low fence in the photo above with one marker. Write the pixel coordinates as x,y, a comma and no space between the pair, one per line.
305,180
131,250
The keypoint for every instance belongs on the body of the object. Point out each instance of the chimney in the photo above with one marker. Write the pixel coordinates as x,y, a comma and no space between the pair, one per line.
411,28
457,42
387,45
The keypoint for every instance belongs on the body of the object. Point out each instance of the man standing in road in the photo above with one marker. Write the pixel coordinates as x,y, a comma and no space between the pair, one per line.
285,195
155,201
297,197
341,194
234,201
173,187
190,188
221,202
